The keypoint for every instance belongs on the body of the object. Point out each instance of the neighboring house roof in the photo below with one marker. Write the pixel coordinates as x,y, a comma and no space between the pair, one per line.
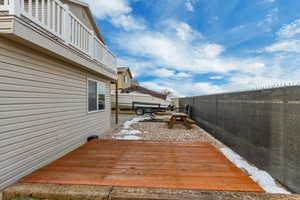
124,69
143,90
90,15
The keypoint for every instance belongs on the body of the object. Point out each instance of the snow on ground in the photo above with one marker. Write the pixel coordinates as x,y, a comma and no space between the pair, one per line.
128,124
259,176
128,133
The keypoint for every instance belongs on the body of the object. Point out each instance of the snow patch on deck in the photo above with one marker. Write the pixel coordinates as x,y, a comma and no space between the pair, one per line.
262,178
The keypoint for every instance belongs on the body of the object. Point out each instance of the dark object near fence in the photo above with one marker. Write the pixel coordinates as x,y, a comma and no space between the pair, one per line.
188,110
93,137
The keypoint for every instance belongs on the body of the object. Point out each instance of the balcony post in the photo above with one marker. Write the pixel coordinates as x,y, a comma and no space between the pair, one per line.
15,7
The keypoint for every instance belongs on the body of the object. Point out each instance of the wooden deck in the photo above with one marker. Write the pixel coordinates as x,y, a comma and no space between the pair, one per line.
172,165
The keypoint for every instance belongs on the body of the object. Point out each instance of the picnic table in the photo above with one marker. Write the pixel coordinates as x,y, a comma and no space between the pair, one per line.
180,118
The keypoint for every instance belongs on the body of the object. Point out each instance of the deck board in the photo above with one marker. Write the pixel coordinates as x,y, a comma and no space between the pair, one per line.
172,165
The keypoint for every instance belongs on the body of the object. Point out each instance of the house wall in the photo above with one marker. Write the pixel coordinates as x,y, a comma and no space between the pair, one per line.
263,126
43,110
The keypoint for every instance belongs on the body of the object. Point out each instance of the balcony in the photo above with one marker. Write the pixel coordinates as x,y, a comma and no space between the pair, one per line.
55,17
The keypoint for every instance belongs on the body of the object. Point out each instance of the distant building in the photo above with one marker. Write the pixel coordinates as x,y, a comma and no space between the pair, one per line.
125,79
130,91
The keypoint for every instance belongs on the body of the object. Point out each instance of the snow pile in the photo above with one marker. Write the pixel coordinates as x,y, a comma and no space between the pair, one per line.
259,176
128,133
128,124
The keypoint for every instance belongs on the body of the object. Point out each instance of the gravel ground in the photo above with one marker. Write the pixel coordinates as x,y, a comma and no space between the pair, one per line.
158,131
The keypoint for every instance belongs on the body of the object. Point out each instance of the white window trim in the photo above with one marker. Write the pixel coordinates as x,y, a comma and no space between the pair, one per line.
87,88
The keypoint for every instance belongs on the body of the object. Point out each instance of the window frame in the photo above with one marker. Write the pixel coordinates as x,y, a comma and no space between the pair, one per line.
97,83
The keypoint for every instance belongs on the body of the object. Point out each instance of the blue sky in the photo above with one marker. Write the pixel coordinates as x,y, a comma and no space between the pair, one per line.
197,47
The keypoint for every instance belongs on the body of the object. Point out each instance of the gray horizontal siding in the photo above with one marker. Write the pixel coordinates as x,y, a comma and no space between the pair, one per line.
43,110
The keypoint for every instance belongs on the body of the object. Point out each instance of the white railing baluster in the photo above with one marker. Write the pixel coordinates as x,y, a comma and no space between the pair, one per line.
22,6
82,39
30,7
49,14
66,25
5,5
37,9
79,35
58,14
53,15
73,30
12,6
43,10
91,44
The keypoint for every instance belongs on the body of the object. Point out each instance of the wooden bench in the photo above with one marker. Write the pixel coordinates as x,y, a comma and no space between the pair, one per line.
180,118
191,121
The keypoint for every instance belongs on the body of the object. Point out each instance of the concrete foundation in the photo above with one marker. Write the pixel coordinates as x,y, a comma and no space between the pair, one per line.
71,192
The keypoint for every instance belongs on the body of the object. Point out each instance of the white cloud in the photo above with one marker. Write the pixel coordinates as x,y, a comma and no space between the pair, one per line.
210,50
185,32
216,77
284,46
269,20
127,22
287,39
157,87
103,9
138,67
290,30
179,52
118,12
188,56
269,1
183,75
189,5
183,88
166,73
163,73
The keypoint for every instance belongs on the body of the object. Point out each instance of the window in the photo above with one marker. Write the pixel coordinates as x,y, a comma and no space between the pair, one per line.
96,96
101,95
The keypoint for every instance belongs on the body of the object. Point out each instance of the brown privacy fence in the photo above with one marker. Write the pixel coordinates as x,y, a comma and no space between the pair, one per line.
263,126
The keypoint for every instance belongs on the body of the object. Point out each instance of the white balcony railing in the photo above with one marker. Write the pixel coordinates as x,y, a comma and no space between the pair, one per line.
54,16
4,4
